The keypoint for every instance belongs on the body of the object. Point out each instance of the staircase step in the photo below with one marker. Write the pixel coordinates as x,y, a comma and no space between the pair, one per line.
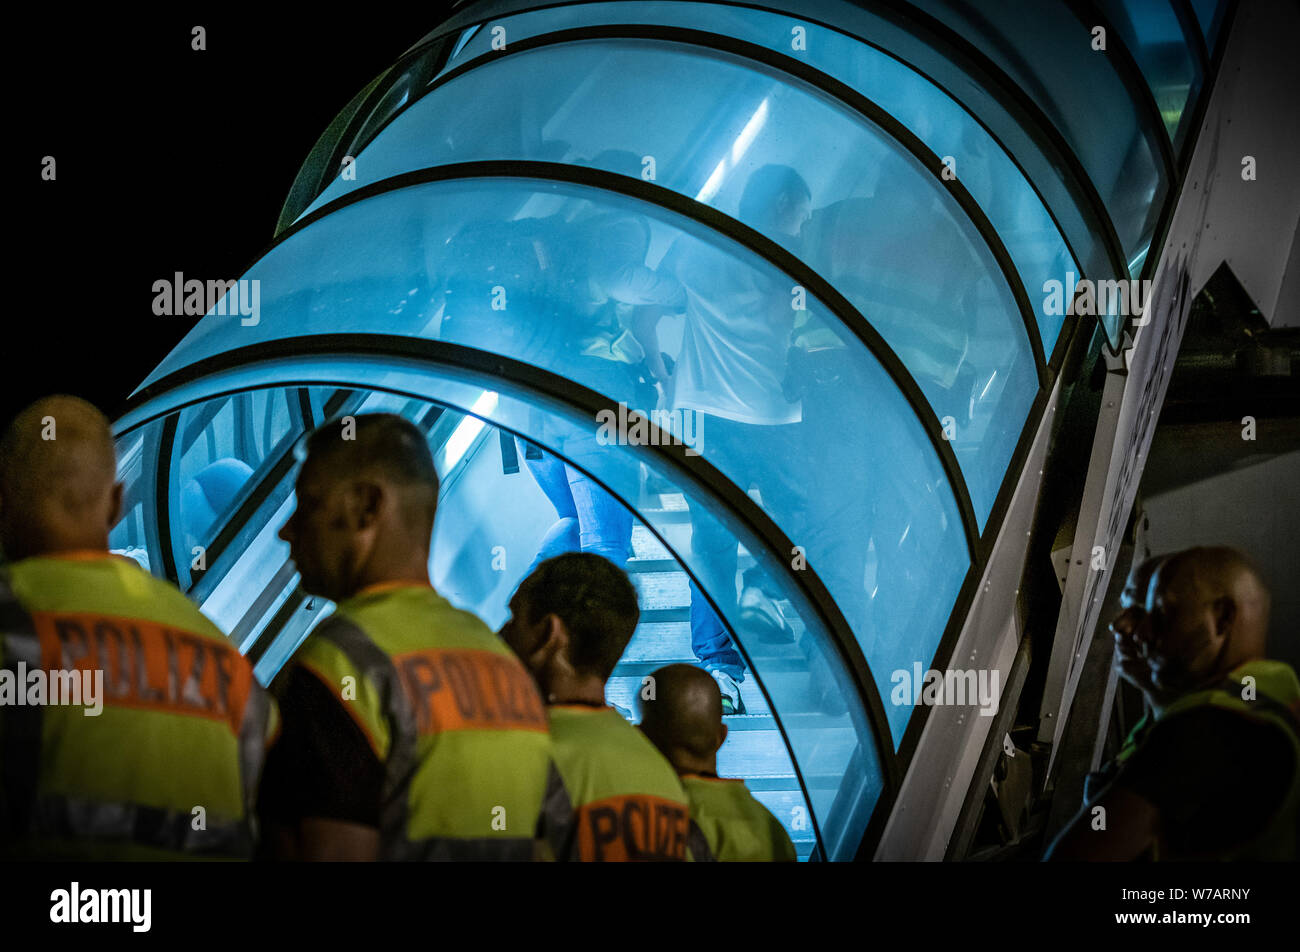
789,807
637,566
646,546
660,642
749,722
661,590
662,615
754,754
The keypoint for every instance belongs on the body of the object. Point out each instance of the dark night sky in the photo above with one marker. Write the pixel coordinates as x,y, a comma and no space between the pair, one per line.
168,160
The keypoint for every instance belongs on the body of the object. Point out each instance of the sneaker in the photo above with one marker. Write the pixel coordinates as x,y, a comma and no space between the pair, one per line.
731,702
763,617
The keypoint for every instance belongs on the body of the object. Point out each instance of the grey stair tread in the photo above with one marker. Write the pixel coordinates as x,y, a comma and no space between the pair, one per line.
626,693
773,783
645,545
791,811
749,722
662,590
666,516
671,501
792,722
754,754
666,614
670,641
643,566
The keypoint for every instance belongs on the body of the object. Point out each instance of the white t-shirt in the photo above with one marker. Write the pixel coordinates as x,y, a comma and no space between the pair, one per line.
735,339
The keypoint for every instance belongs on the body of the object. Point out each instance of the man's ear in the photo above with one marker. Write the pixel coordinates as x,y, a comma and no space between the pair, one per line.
1225,614
555,640
722,737
115,509
363,500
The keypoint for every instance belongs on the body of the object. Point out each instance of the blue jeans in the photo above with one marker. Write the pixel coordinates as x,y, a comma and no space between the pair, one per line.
710,641
589,519
739,448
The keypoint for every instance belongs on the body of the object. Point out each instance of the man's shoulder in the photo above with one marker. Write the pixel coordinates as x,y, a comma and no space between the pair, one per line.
333,641
112,585
600,749
1210,732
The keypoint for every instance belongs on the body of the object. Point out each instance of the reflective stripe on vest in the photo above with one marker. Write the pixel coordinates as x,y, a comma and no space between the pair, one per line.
697,844
449,696
556,823
397,750
60,817
149,670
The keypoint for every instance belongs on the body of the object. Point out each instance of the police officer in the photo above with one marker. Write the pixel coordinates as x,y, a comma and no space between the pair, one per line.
410,730
131,728
617,798
683,718
1216,775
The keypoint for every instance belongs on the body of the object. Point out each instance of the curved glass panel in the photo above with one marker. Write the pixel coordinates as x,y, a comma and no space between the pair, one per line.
878,226
771,389
1047,51
136,533
1151,31
1013,208
221,451
812,697
1209,14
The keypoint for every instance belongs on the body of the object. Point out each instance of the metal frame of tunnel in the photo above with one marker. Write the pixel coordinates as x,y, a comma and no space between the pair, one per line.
574,397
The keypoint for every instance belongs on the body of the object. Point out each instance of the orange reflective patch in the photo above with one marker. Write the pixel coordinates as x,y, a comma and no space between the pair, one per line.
632,828
148,665
456,689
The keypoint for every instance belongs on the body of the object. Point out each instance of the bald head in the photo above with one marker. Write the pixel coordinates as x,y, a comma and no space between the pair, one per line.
58,479
1209,613
684,717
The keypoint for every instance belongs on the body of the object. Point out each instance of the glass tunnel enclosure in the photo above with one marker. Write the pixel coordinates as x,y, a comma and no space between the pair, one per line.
812,252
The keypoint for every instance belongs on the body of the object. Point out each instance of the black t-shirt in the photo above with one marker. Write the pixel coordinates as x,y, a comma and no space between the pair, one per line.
1217,778
321,765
